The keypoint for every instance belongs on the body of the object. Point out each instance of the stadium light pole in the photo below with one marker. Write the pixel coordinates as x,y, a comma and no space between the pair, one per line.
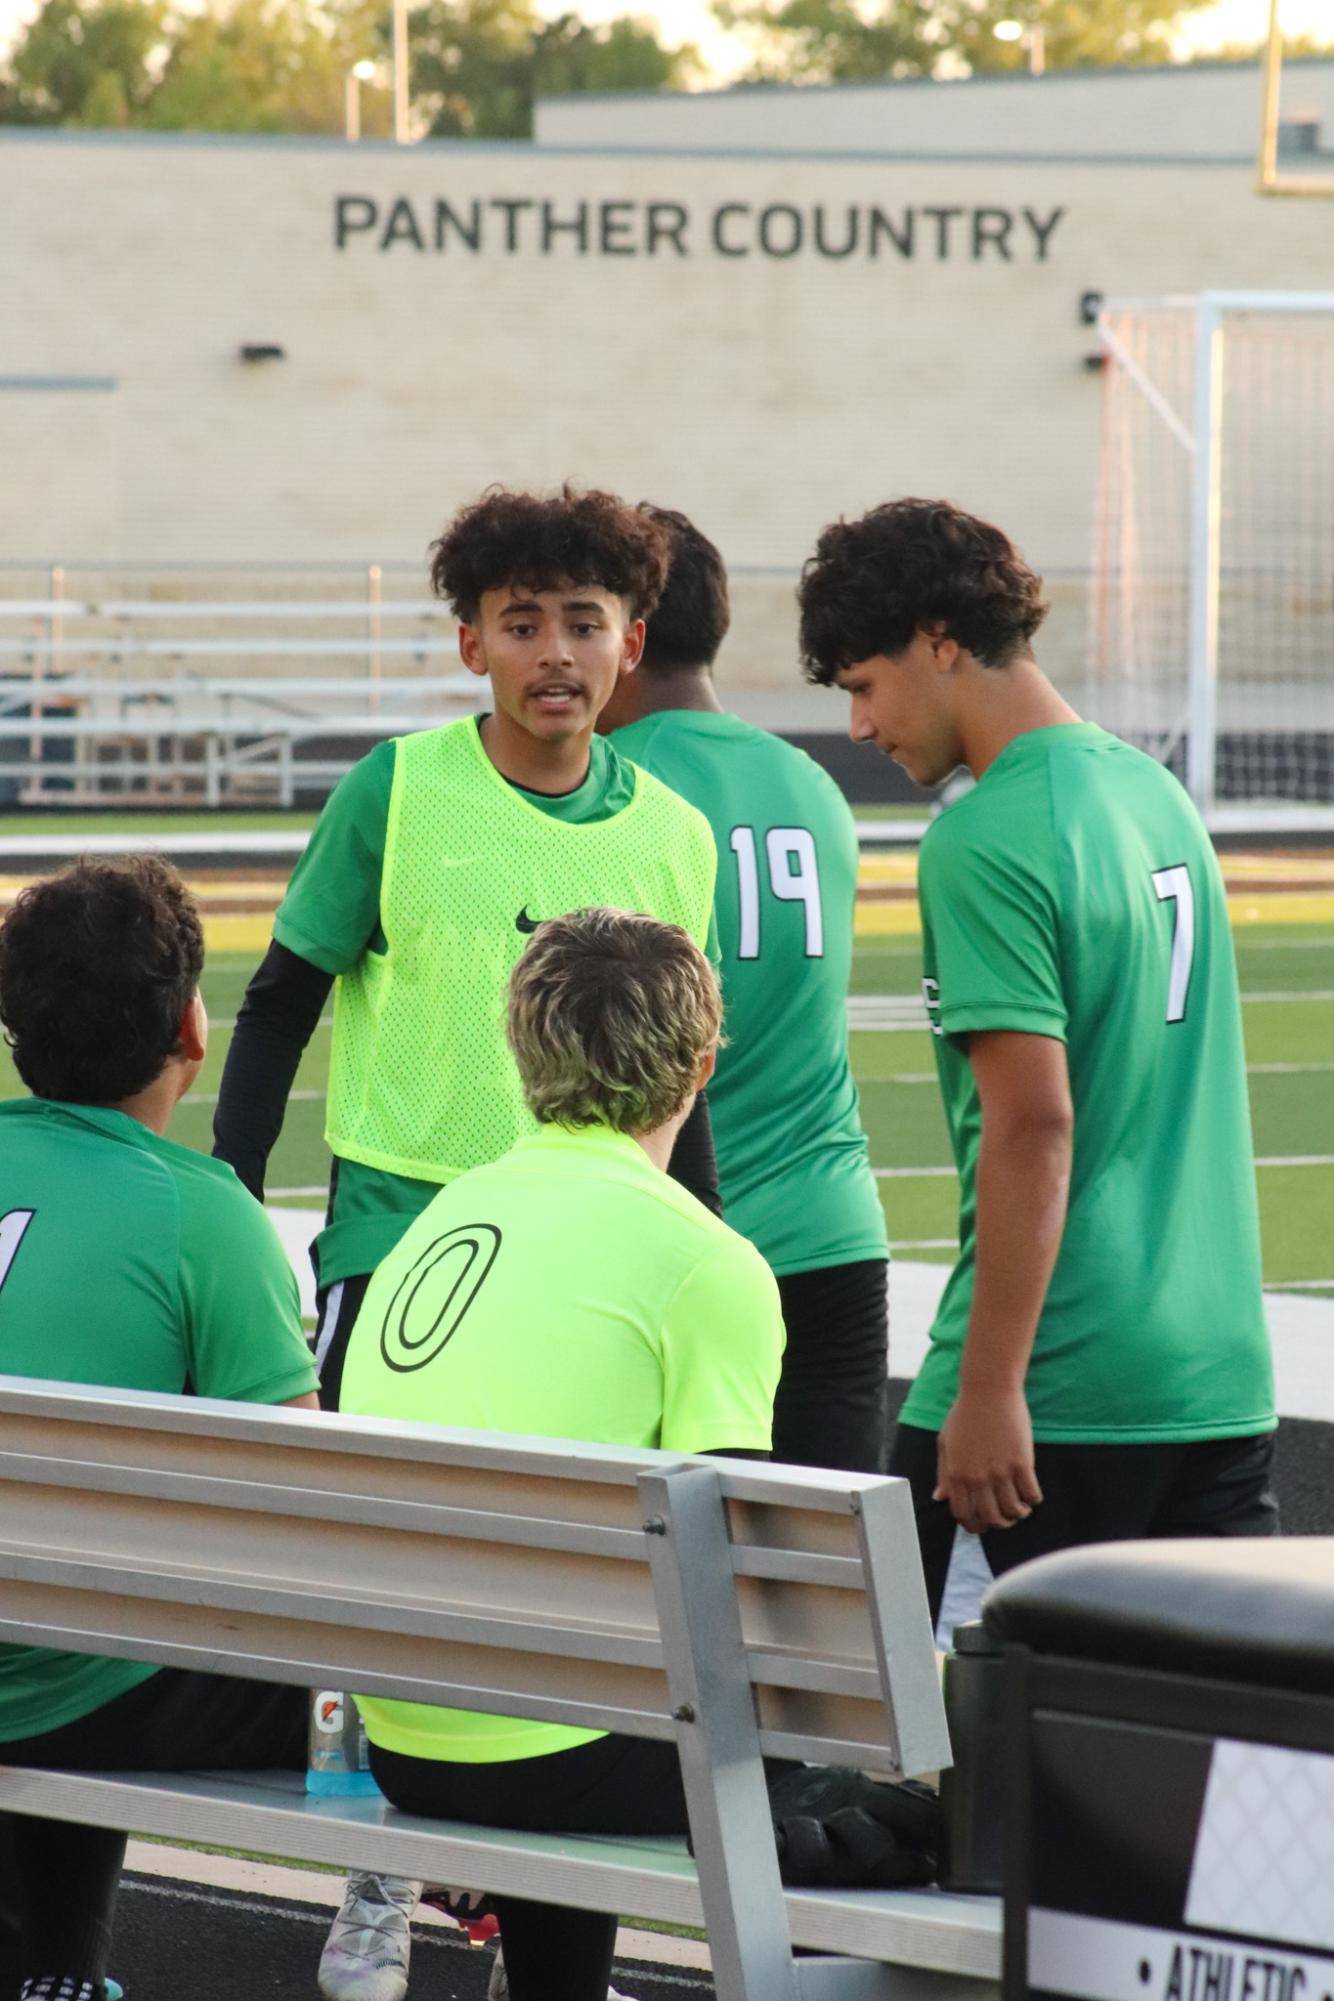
1031,32
401,72
359,73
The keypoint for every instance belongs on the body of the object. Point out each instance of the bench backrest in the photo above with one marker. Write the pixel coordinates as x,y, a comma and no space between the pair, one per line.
576,1583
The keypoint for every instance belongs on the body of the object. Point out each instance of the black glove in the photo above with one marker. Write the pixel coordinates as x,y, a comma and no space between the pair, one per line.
839,1828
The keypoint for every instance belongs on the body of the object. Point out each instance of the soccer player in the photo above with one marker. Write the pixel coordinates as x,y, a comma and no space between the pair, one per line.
432,863
609,1305
431,866
1099,1367
792,1157
181,1285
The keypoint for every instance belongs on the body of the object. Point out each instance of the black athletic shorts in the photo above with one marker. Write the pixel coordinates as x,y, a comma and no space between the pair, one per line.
58,1879
1102,1493
832,1406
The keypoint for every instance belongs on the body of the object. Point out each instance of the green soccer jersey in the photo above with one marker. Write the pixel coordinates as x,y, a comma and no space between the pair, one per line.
331,916
128,1260
567,1290
792,1156
1074,893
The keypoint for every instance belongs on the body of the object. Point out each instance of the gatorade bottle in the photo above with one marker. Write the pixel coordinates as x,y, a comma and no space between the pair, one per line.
336,1759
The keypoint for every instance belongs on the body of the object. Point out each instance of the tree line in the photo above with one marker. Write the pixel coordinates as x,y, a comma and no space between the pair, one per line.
477,66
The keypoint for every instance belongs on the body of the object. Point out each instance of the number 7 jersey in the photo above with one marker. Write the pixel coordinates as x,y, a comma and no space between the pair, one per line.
1074,893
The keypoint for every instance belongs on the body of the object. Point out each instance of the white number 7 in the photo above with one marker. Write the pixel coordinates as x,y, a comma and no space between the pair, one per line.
12,1228
1173,886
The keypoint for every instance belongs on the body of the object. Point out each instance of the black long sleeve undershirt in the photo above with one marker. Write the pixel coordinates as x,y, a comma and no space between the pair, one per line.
277,1018
694,1163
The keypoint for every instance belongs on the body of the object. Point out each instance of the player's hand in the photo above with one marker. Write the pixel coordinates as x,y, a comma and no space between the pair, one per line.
984,1462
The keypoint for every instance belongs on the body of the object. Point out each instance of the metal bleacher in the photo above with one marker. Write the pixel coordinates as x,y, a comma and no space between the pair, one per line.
213,699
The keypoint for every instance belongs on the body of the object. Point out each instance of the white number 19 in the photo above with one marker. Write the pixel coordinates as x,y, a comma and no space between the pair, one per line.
794,877
1174,886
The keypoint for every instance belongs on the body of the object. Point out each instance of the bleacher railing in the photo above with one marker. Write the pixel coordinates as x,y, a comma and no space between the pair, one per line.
179,693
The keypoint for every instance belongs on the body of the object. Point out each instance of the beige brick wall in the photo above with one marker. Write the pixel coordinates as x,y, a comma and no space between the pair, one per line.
763,393
1208,110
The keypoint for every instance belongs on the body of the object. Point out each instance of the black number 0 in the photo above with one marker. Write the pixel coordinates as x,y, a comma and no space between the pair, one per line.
407,1345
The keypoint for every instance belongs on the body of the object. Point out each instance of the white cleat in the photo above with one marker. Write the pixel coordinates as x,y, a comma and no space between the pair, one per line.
366,1954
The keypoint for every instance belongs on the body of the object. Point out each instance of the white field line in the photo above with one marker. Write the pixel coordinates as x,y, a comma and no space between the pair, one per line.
898,1013
288,1194
1245,944
226,1023
293,1097
1299,1285
1252,1070
888,949
1269,1160
1321,994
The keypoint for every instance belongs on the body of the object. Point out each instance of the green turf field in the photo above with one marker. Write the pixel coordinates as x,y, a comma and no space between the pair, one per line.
1287,974
1287,981
157,824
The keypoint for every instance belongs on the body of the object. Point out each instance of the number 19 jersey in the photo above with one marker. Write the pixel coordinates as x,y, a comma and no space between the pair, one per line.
1074,893
792,1158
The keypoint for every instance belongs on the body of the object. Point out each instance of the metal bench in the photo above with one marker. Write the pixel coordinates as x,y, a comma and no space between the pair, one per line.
738,1609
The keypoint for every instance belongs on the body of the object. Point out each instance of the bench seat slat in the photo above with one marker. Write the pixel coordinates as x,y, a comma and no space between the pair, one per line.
650,1878
359,1510
418,1517
89,1422
428,1618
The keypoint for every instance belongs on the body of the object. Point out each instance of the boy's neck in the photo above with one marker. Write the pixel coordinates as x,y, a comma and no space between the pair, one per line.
659,1143
675,688
1007,703
154,1105
525,760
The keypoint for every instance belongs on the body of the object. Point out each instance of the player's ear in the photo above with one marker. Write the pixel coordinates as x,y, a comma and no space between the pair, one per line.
193,1040
632,647
708,1063
470,649
944,649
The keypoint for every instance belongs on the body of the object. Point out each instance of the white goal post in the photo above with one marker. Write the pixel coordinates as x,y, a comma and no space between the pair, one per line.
1212,638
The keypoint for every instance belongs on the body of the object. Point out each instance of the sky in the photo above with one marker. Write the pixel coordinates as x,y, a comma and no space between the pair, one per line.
1226,21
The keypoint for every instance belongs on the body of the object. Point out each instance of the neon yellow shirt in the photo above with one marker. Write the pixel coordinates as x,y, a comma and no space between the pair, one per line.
567,1290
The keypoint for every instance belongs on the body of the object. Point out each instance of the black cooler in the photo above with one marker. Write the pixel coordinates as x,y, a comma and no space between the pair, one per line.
1169,1827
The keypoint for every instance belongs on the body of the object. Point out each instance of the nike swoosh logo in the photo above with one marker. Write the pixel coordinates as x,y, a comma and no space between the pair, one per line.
523,922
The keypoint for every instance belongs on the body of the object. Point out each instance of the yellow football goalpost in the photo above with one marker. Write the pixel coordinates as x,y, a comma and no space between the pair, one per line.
1272,180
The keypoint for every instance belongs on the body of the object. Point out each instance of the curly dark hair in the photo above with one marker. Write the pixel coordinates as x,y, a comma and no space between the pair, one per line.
693,613
542,541
873,583
97,966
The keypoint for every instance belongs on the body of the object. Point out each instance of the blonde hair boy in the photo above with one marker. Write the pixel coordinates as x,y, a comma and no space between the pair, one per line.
612,1019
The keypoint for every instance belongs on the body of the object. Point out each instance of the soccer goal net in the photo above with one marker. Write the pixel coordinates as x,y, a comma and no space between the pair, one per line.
1212,641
